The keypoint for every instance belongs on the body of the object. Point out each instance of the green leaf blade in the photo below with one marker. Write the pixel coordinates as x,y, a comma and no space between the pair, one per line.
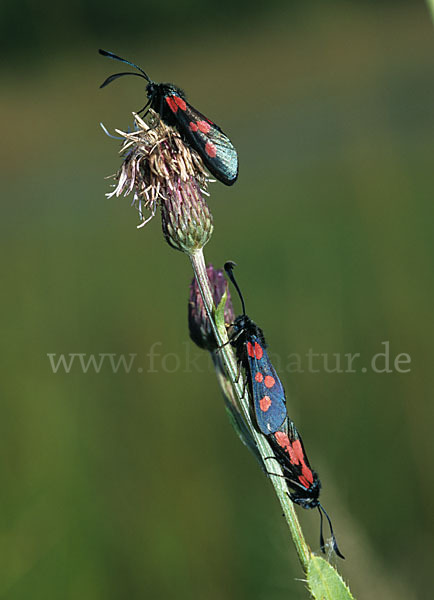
324,581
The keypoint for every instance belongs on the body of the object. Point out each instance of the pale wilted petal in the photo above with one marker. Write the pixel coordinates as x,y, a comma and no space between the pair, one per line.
156,165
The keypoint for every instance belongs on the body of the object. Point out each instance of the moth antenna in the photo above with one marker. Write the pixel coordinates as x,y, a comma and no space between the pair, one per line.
321,536
321,510
115,57
117,75
229,266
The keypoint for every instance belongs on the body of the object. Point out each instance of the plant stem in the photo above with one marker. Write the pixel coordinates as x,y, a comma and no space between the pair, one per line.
230,363
431,7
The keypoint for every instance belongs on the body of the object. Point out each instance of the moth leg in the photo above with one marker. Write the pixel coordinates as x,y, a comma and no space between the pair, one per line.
239,375
144,108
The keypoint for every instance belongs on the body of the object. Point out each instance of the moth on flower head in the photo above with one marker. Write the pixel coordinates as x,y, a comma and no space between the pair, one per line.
162,171
205,137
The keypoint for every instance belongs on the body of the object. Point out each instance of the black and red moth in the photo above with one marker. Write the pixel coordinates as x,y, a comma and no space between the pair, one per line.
214,147
269,404
303,482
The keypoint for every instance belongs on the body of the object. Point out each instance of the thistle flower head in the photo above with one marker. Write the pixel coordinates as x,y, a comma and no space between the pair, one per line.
161,170
198,322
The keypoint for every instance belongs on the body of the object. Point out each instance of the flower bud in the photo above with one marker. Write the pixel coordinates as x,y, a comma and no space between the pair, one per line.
185,217
200,328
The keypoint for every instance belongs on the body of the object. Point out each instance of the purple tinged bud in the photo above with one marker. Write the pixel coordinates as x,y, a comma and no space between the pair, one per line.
198,322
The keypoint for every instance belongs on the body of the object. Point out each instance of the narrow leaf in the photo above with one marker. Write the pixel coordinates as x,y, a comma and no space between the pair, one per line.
219,314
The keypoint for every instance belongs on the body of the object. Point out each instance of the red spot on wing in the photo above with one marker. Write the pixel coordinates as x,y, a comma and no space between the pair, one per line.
193,126
259,377
210,149
307,473
292,455
265,403
298,449
269,381
172,104
180,102
203,126
304,481
258,351
250,350
282,439
296,456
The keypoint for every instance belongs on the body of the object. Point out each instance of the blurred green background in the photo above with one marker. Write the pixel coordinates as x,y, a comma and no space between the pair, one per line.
134,485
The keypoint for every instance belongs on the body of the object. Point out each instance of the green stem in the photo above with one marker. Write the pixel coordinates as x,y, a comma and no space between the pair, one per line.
431,7
230,363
